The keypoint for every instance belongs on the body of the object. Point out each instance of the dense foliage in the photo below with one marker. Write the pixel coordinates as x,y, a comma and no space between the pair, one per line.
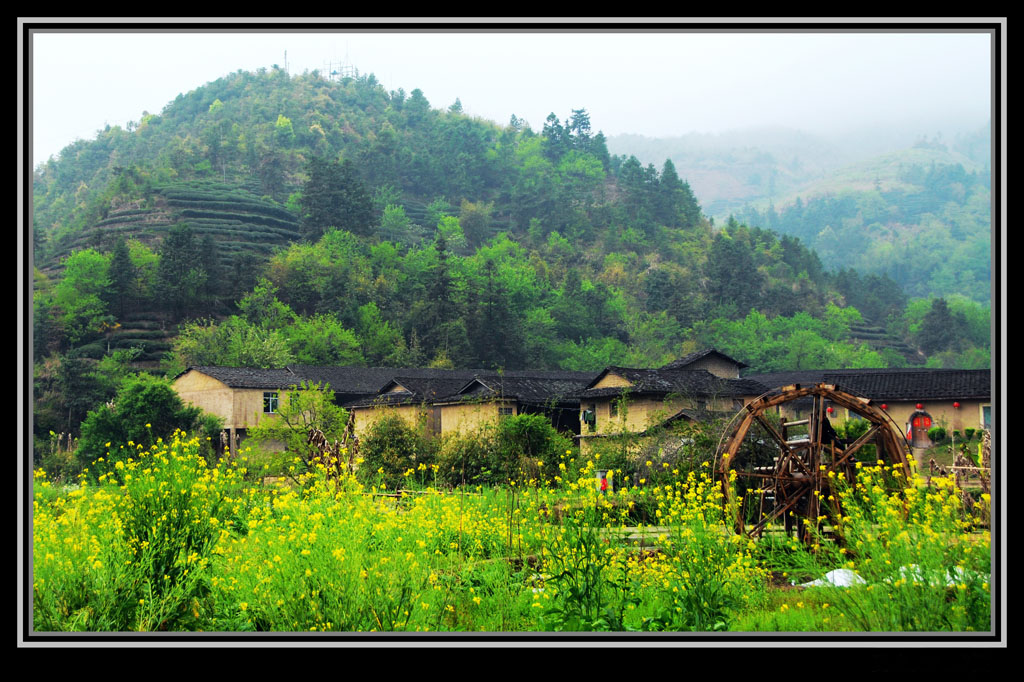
928,228
145,410
164,541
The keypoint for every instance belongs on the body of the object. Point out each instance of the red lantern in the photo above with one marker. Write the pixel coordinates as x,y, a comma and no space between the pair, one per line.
919,406
884,406
830,410
956,405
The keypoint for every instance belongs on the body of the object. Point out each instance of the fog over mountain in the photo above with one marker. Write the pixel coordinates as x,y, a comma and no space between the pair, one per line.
728,170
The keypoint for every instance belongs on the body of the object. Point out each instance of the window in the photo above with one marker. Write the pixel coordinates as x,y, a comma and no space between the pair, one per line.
270,402
986,416
613,409
504,411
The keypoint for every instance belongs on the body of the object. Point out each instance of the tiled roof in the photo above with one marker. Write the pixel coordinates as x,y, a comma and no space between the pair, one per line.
936,384
417,390
892,384
249,377
669,381
805,377
535,387
455,386
686,360
369,380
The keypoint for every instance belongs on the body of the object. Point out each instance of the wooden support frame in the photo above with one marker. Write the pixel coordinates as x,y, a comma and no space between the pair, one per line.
803,472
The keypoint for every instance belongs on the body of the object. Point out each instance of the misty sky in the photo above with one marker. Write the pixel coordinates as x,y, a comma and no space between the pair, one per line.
653,83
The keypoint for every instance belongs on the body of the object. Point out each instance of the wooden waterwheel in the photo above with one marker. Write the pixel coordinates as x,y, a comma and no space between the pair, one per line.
779,476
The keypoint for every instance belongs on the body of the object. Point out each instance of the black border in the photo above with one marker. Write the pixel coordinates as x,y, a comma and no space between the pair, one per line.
872,658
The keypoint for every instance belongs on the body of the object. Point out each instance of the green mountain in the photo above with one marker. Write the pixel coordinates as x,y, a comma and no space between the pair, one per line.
264,219
918,212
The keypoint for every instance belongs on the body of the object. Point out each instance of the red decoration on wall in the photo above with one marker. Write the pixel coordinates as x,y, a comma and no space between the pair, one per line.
919,406
884,406
830,410
956,405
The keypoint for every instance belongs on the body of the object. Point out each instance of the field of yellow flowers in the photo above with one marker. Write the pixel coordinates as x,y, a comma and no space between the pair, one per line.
158,539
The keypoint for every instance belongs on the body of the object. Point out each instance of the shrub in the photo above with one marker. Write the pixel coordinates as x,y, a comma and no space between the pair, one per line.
467,459
301,409
146,408
937,434
528,446
390,449
135,551
923,564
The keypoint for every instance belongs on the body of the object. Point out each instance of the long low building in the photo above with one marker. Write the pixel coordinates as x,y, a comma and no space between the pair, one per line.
588,405
445,405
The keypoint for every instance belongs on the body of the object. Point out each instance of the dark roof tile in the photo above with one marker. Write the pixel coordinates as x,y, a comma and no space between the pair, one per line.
892,383
249,377
668,381
686,360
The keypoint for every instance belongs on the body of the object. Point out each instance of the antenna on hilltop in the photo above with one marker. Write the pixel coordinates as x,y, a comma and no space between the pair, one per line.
337,69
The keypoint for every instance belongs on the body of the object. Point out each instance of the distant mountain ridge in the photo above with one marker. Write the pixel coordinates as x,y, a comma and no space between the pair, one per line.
915,209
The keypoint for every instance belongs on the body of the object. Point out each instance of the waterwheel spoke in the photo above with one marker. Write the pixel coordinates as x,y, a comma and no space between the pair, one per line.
856,445
793,498
801,467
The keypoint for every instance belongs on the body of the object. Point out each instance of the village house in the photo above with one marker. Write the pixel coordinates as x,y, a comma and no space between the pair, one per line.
617,401
490,396
415,399
624,400
916,398
241,396
449,404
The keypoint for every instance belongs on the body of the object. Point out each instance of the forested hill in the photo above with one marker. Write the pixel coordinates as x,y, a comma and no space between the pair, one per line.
883,201
265,219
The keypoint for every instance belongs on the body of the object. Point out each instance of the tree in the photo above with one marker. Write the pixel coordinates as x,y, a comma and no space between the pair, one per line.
302,408
233,343
381,343
497,330
261,307
395,225
145,409
475,220
121,274
675,204
442,329
334,196
390,448
180,278
323,340
732,273
79,295
941,329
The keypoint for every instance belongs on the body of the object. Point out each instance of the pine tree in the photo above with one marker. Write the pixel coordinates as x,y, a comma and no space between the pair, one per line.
335,196
121,293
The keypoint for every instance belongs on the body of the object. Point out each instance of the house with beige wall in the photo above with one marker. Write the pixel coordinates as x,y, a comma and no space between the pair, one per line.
714,361
413,399
242,397
624,400
916,398
452,403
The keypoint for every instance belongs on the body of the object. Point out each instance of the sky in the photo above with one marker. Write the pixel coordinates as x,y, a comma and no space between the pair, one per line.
656,83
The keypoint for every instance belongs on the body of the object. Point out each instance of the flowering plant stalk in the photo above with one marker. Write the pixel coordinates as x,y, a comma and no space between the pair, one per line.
921,555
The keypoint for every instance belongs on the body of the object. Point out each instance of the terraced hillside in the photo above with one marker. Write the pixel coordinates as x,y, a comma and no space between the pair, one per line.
237,220
878,339
146,331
